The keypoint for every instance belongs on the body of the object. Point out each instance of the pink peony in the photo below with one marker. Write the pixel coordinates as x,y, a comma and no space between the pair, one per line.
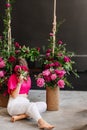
60,42
60,73
24,68
61,83
53,76
51,64
17,67
8,5
2,73
20,67
40,82
47,54
66,59
46,72
2,64
1,59
51,34
17,51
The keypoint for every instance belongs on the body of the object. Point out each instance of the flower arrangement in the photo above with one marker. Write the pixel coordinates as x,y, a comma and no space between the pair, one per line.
21,70
10,50
56,66
8,58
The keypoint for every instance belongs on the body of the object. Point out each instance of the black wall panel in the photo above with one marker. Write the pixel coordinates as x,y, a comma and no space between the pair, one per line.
32,23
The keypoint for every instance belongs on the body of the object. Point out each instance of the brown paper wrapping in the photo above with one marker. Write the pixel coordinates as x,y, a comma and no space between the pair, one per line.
52,98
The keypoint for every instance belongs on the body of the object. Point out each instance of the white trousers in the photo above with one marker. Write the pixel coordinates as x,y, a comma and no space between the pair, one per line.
22,105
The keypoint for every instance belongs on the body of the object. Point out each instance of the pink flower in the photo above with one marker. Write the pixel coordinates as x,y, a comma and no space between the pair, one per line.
60,73
8,5
66,59
53,76
2,73
40,82
1,59
51,64
51,34
2,64
17,67
46,72
24,68
11,59
20,67
47,54
61,83
60,42
17,51
60,54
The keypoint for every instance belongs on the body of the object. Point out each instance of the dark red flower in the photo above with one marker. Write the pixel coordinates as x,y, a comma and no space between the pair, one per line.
8,5
11,59
38,48
17,51
17,45
60,42
51,34
0,37
48,51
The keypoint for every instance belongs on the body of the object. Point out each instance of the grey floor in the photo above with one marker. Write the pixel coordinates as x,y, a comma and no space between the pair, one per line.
72,114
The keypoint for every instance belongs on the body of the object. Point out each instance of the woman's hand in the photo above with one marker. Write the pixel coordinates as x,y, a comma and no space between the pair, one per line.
21,79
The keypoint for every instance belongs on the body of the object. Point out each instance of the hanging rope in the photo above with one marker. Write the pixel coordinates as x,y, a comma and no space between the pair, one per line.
9,28
54,27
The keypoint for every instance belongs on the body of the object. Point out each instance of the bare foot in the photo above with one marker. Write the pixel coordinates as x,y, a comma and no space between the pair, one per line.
44,125
18,117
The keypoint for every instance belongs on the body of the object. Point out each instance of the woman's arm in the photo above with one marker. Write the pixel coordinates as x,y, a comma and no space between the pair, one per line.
15,92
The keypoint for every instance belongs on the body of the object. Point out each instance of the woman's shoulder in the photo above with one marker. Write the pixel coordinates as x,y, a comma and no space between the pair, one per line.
13,76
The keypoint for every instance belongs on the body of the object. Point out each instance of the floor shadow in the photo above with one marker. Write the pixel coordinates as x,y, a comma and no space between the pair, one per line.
82,113
81,128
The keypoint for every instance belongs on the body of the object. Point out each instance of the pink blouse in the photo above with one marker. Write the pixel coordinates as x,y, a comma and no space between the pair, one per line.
13,81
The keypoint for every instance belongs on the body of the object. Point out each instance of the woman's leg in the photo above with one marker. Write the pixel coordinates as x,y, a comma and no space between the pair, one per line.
35,114
22,105
17,108
18,117
42,106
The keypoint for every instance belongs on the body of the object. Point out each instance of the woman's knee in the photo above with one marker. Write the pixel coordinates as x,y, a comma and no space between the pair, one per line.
42,106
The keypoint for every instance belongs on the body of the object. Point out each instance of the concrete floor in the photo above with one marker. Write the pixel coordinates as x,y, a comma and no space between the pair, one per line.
72,114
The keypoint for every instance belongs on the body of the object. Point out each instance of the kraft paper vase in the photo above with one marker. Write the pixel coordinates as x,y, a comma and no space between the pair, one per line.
52,98
3,100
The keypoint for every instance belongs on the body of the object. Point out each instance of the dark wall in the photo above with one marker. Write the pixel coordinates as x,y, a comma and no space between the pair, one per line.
32,23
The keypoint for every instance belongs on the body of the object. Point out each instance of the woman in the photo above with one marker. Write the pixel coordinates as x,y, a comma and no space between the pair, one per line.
19,106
